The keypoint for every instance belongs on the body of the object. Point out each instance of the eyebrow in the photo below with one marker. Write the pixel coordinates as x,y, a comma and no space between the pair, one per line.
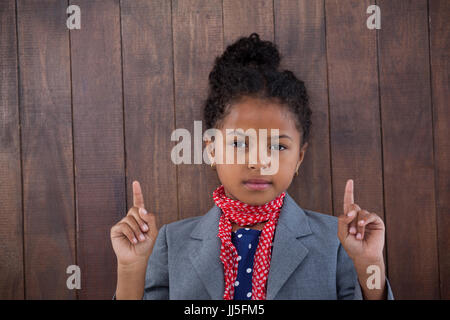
239,133
282,136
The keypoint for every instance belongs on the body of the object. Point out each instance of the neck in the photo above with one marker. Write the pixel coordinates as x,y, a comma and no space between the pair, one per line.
258,226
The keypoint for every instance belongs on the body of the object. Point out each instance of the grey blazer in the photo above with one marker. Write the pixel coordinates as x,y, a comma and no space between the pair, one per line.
308,261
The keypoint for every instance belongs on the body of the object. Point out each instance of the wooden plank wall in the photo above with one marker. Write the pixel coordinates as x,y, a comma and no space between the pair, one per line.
83,113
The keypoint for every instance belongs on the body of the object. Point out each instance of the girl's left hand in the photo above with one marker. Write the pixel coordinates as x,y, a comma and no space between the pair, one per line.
361,233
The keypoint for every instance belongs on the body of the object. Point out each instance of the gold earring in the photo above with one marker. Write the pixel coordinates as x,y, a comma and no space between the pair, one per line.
296,172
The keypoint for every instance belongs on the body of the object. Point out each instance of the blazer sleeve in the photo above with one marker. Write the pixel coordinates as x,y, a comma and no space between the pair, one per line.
347,283
156,285
157,274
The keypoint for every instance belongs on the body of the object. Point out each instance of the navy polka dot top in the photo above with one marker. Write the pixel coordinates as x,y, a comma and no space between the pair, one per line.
245,240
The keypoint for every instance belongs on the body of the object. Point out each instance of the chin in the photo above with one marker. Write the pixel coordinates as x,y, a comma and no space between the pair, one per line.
257,198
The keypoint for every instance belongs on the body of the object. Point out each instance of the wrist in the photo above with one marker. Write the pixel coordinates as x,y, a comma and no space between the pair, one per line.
370,272
363,268
130,280
133,266
361,264
376,260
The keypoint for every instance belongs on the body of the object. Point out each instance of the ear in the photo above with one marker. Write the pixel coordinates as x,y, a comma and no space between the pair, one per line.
302,154
210,150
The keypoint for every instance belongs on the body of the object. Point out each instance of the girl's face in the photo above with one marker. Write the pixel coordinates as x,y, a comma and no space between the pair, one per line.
256,113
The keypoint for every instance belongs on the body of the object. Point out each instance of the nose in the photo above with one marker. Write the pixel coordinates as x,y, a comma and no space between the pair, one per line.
260,163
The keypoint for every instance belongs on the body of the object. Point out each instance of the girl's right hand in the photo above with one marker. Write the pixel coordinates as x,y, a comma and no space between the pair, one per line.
134,236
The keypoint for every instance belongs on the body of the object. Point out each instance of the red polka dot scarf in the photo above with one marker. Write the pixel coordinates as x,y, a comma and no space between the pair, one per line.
246,215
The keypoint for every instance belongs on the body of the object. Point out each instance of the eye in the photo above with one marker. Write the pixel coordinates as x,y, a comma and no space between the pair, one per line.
278,146
239,144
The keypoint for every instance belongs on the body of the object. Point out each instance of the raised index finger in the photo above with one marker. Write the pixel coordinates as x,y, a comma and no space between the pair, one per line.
138,198
348,195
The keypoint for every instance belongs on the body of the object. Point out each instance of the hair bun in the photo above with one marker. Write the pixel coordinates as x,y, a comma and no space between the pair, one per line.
251,51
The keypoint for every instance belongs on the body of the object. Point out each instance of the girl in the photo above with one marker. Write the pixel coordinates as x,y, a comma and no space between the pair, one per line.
256,242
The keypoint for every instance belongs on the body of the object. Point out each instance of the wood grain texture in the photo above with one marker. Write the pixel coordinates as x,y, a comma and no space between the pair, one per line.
439,12
300,36
11,218
408,149
197,40
98,141
355,127
354,105
149,104
47,156
243,17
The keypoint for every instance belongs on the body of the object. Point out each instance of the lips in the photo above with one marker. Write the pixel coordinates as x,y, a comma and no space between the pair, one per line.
257,184
261,181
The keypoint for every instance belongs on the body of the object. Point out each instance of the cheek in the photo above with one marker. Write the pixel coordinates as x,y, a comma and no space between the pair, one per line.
228,172
286,168
288,161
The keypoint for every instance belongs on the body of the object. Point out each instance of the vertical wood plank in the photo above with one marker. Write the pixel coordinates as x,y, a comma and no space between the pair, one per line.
439,11
354,105
98,141
11,223
149,104
47,157
356,151
300,36
408,149
242,17
198,39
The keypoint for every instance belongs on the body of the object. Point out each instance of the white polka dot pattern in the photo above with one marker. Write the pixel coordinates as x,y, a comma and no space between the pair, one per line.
244,214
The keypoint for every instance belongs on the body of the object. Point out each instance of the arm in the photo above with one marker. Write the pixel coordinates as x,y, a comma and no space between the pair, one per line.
363,276
149,281
130,281
133,254
351,284
362,233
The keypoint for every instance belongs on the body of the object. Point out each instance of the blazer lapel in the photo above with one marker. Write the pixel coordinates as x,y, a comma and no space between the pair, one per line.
288,250
205,253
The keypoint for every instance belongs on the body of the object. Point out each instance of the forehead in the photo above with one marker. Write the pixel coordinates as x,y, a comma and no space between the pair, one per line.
258,113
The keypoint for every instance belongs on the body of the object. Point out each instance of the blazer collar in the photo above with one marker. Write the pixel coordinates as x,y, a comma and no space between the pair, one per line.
288,251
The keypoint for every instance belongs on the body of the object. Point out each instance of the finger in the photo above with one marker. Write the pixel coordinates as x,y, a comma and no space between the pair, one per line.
352,226
125,229
134,212
138,198
344,221
148,217
364,215
352,223
373,221
348,196
135,227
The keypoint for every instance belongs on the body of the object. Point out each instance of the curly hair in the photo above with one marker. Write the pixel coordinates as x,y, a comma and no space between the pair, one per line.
249,67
